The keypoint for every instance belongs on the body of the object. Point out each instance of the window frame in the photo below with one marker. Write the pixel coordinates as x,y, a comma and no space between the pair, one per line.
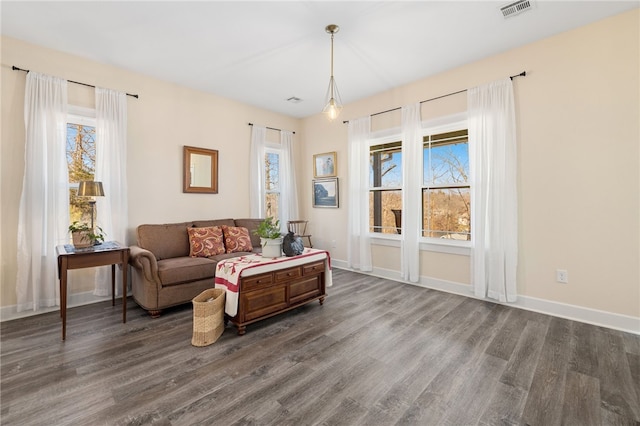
459,126
383,140
85,117
435,126
272,148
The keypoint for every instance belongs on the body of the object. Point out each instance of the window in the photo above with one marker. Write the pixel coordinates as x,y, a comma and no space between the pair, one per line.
446,206
81,160
385,183
443,180
272,183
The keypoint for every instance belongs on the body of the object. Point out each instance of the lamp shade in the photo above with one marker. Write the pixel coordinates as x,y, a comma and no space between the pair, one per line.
90,189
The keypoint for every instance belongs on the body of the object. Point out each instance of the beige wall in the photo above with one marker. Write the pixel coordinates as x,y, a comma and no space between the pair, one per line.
578,143
578,147
160,122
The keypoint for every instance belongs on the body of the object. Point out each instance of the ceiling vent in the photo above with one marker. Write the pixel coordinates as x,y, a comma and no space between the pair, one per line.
516,8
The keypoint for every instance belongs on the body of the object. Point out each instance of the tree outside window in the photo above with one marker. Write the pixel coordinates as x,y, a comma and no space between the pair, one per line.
385,183
272,183
446,206
81,160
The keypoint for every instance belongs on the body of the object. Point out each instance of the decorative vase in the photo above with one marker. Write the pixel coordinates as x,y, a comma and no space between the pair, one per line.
292,245
81,239
271,247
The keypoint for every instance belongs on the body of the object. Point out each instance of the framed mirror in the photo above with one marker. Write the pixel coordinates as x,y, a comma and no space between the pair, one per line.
200,170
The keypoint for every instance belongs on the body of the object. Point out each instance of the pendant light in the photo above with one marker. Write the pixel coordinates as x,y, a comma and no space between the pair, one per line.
333,102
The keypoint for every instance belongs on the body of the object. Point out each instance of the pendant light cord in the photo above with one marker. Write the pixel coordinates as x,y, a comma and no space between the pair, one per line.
332,34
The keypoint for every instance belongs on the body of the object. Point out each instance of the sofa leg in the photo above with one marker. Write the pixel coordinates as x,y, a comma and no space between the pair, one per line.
155,313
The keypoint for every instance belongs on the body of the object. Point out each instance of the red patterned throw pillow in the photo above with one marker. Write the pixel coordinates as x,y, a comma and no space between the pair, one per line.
205,242
236,239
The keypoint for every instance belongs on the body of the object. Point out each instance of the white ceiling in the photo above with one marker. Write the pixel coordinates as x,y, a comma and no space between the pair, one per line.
263,52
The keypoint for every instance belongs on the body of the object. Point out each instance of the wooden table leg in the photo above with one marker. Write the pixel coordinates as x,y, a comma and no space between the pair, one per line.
125,267
113,285
63,296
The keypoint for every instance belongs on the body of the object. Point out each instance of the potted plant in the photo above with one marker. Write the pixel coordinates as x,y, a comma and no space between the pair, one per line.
83,236
270,237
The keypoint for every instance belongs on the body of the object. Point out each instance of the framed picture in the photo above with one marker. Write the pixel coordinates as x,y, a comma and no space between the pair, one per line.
200,170
325,165
325,193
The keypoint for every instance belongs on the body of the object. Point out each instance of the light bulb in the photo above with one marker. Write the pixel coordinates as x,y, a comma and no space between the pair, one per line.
332,110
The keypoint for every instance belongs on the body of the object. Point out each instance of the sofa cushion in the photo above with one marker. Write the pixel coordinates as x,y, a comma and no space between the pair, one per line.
166,240
179,270
236,239
251,225
226,256
205,242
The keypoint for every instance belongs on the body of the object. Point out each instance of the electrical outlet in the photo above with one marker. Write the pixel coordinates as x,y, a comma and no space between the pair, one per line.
562,276
333,243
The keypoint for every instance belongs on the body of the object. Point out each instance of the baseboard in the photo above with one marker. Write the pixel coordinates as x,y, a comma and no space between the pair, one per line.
611,320
8,313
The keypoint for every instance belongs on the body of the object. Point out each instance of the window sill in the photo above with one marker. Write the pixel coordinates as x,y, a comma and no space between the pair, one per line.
461,248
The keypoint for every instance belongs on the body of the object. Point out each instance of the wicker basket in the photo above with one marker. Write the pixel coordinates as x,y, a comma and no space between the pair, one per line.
208,316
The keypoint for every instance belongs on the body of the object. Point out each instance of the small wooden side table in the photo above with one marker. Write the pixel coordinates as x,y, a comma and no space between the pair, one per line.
108,253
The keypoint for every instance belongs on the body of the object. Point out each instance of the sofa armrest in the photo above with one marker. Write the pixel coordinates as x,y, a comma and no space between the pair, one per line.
145,261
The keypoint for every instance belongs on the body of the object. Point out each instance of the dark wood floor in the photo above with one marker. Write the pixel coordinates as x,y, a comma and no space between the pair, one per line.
377,353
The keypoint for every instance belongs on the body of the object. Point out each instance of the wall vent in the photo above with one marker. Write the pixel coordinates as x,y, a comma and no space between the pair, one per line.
516,8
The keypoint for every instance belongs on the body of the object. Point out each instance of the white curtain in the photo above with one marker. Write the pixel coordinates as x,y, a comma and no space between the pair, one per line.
411,199
111,170
493,170
256,171
358,240
288,188
43,215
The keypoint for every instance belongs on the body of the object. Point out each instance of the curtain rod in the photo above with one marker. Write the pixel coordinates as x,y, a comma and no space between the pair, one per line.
71,81
271,128
522,74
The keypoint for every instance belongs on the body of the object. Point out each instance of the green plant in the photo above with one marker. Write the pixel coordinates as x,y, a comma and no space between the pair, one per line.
95,235
268,229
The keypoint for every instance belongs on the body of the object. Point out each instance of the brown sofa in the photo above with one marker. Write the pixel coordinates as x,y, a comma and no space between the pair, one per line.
164,274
